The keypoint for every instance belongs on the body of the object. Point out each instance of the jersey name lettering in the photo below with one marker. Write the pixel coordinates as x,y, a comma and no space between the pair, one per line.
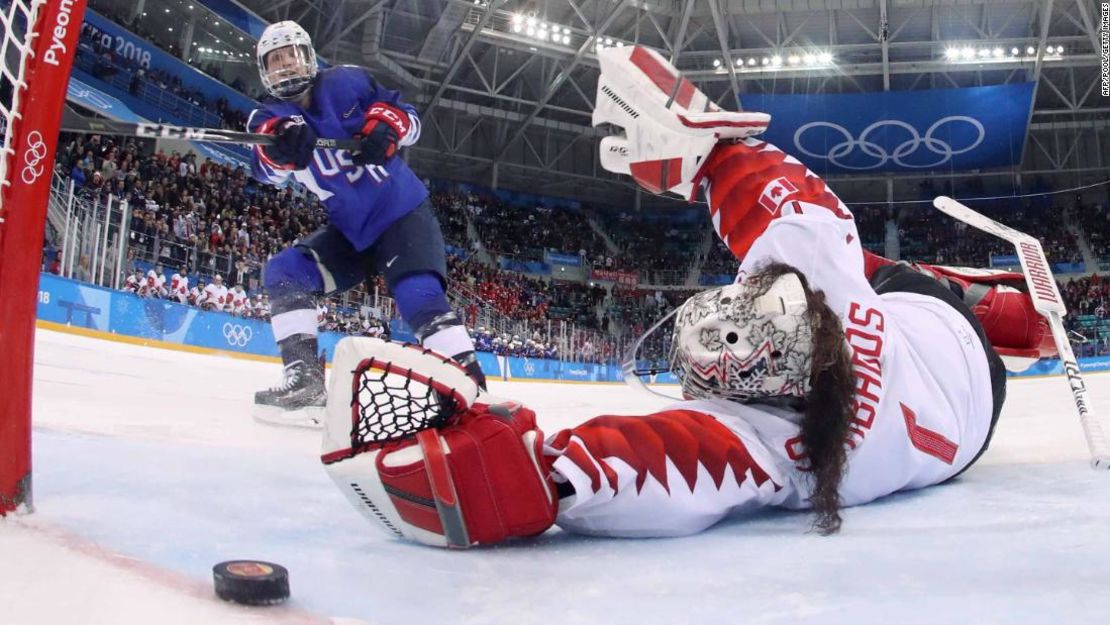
334,162
864,333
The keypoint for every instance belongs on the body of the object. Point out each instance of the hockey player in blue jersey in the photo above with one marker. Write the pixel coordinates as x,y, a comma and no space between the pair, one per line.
380,219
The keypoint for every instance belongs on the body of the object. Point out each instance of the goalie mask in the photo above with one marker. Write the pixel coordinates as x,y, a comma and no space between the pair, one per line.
746,341
668,125
286,60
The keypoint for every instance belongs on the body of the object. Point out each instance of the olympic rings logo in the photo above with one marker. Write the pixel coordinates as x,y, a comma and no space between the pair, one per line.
942,149
32,157
237,335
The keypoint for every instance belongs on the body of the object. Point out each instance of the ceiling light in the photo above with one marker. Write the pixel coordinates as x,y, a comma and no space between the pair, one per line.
751,61
809,59
825,58
566,40
776,60
793,59
765,60
531,32
983,52
967,52
516,27
1014,52
716,62
997,53
951,53
1030,50
531,21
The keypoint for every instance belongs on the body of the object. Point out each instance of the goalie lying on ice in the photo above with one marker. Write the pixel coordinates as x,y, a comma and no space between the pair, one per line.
808,388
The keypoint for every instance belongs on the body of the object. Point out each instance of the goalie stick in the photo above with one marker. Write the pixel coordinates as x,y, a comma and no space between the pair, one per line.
72,121
1049,304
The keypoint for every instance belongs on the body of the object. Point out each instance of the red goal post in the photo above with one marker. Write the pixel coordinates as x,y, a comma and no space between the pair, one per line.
36,63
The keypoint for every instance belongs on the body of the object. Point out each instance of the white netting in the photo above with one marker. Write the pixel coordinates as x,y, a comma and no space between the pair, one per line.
17,19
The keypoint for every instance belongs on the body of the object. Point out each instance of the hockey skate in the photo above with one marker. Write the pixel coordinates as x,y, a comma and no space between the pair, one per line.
298,401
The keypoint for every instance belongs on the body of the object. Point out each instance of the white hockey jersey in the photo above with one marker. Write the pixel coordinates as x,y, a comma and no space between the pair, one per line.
179,288
923,408
215,297
153,286
237,300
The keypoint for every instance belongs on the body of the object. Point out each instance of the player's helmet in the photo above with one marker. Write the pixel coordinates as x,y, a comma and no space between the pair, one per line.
668,127
746,341
286,60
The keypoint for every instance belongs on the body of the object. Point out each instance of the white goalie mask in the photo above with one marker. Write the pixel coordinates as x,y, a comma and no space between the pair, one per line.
286,74
669,126
746,341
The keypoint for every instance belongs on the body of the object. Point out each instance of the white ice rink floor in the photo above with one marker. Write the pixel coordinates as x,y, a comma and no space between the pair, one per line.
149,470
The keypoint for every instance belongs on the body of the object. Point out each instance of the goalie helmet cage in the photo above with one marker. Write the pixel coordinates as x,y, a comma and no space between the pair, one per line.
39,40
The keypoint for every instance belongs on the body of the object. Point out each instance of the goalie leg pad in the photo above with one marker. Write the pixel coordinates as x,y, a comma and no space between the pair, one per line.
998,299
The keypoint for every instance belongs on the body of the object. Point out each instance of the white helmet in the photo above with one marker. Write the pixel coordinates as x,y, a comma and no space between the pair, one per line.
670,126
745,341
294,77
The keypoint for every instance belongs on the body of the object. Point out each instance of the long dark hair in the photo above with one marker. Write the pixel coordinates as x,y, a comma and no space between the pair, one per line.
827,410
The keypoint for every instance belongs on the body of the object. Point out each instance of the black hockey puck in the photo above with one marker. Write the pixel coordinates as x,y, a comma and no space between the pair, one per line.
251,582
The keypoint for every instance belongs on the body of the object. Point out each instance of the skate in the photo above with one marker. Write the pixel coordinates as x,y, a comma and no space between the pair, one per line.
298,401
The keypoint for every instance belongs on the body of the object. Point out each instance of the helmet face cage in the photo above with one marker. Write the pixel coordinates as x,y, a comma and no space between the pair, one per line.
290,80
744,342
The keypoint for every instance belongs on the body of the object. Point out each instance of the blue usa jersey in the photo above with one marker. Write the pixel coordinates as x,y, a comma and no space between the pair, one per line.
362,201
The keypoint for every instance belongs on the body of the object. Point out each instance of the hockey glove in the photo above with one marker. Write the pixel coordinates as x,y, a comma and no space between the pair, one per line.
383,128
293,148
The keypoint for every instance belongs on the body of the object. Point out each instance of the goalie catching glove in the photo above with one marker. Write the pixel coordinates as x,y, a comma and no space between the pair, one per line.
410,449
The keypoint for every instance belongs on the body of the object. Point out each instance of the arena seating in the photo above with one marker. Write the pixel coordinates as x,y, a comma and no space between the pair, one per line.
211,218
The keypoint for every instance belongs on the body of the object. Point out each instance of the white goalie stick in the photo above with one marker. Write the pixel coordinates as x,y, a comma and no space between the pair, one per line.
1047,302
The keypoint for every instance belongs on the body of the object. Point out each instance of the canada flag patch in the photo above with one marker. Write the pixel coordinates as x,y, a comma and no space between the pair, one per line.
775,193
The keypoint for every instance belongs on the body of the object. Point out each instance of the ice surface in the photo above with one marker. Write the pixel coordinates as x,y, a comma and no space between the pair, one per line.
148,471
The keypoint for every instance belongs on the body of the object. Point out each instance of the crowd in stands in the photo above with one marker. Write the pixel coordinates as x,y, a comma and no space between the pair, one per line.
660,251
527,232
1088,319
1094,218
109,63
209,217
205,219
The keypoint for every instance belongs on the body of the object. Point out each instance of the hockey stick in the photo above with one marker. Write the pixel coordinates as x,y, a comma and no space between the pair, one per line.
72,121
1047,302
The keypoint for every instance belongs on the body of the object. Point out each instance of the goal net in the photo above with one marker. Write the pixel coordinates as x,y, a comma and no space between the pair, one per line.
38,42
